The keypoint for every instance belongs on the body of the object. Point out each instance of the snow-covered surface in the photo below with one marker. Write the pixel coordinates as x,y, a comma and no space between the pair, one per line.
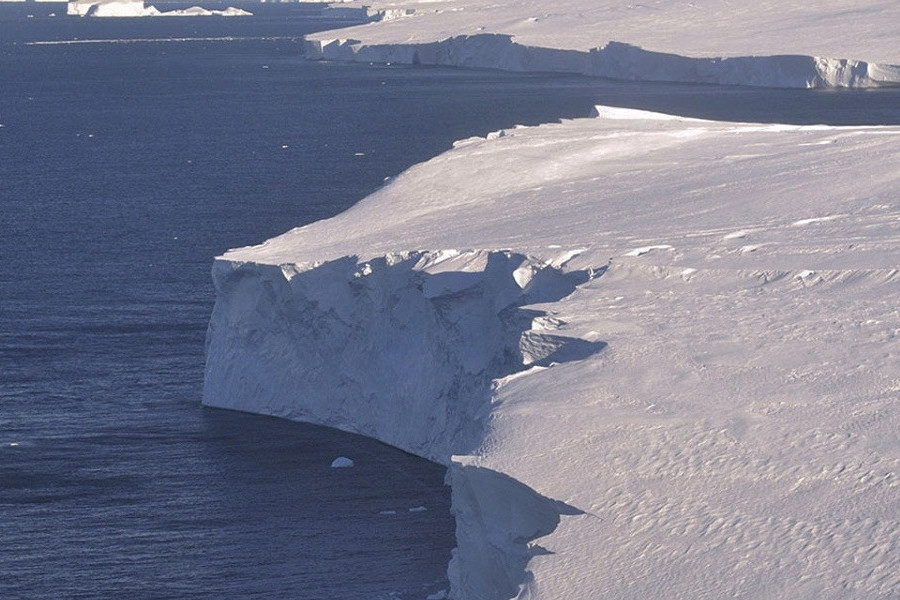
712,412
768,43
139,8
661,356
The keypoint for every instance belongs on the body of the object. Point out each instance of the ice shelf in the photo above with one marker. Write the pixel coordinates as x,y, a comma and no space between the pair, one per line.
660,356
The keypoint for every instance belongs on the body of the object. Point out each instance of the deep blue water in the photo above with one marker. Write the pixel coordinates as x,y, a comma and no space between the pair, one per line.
124,169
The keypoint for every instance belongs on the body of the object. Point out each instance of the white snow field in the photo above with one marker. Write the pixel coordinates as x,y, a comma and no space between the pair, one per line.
660,356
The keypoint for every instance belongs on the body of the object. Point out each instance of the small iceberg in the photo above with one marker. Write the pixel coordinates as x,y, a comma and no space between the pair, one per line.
341,462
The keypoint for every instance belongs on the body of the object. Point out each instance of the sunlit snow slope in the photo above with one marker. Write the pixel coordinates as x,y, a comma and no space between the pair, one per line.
664,352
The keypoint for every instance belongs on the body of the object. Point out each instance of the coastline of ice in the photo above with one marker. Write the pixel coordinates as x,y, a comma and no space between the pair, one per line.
660,356
615,60
708,41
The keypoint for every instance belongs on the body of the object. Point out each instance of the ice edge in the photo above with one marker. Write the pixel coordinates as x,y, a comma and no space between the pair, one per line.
616,60
410,349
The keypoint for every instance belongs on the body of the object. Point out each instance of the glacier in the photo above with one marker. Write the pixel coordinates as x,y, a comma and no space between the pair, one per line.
660,356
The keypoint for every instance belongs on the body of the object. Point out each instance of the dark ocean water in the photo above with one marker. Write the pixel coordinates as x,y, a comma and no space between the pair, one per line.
124,169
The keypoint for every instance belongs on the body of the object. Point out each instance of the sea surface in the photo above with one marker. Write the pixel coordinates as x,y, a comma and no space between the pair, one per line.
133,151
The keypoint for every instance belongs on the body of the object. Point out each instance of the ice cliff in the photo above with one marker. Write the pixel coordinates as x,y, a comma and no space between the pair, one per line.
615,60
403,348
406,348
771,44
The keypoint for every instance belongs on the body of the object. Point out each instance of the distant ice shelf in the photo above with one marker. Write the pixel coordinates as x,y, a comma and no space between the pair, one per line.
139,8
770,44
615,60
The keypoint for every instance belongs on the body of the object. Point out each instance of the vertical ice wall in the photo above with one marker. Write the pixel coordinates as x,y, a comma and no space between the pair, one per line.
403,348
616,60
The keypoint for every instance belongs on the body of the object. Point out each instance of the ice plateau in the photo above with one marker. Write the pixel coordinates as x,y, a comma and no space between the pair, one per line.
660,356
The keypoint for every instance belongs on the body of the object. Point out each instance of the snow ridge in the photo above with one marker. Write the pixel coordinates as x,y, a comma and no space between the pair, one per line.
615,60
